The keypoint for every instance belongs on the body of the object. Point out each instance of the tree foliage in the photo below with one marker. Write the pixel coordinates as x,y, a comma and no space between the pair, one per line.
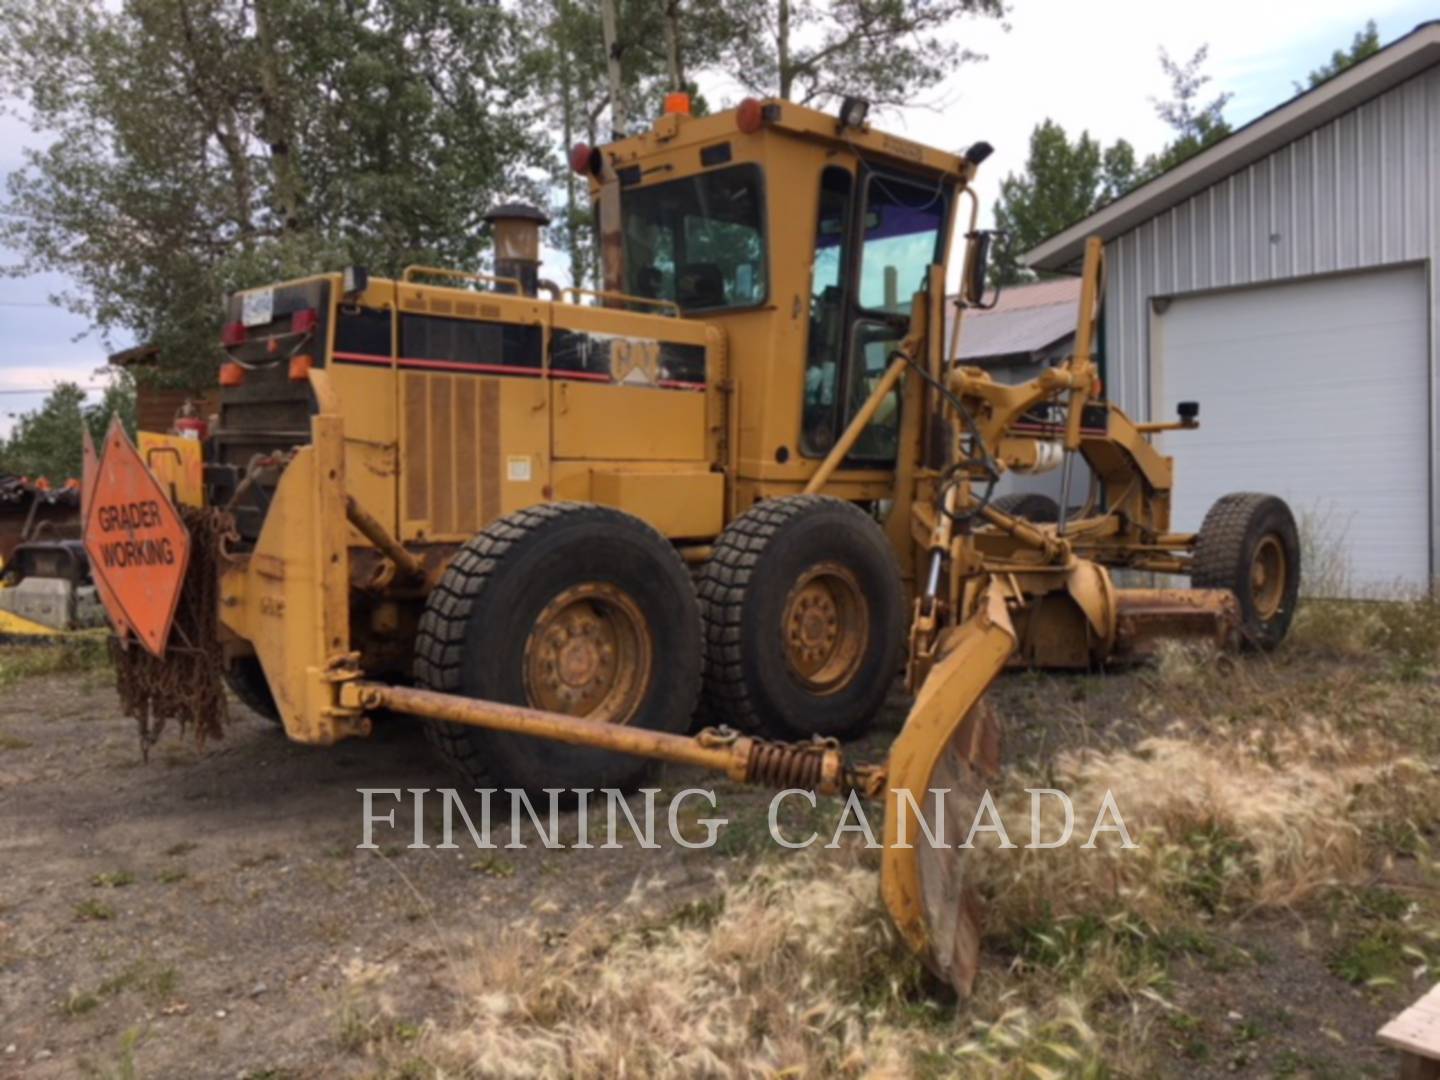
815,52
570,60
1063,181
1365,43
47,442
199,147
1197,123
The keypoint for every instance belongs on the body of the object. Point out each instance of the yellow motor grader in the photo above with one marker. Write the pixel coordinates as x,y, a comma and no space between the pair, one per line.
747,474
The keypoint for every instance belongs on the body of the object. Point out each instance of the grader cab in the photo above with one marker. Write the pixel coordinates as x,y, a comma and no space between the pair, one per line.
743,481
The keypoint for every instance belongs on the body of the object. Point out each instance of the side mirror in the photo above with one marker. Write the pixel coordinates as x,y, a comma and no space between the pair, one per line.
978,268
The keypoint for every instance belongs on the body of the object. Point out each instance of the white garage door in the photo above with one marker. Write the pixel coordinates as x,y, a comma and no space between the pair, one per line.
1317,391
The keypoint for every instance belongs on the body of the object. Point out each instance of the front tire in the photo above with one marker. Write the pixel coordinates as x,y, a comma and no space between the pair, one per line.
566,607
804,618
246,680
1250,545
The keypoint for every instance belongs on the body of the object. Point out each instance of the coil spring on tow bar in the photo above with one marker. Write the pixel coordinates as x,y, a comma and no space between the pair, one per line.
788,765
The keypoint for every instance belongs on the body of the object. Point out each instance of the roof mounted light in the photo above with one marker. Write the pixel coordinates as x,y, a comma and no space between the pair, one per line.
750,116
586,160
677,103
853,111
978,152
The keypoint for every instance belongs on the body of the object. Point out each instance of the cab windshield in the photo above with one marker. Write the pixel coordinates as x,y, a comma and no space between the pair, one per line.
699,241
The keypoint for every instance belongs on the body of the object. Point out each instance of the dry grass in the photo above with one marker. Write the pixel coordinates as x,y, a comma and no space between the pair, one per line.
74,653
1266,784
791,970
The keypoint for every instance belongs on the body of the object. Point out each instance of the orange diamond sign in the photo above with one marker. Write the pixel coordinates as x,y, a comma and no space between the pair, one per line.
137,544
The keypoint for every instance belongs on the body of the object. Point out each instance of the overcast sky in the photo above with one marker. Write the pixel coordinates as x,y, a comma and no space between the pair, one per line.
1086,65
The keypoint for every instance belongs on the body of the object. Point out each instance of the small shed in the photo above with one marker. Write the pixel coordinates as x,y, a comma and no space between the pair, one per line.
157,406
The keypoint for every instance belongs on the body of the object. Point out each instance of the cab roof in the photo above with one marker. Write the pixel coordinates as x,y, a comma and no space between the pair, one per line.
678,130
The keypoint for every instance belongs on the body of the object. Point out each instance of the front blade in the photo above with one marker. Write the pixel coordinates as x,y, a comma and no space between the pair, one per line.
943,758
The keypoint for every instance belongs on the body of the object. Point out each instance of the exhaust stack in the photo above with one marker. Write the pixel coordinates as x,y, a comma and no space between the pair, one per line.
517,242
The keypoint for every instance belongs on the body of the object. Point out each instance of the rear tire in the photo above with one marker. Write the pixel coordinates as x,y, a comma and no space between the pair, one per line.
804,619
1250,545
571,608
1032,507
246,680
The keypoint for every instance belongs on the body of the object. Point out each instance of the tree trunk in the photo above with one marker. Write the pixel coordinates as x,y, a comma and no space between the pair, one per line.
597,266
782,48
612,68
572,205
275,123
672,45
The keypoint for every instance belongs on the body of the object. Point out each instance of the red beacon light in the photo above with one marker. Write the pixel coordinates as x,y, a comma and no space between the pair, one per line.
750,116
585,159
232,334
677,103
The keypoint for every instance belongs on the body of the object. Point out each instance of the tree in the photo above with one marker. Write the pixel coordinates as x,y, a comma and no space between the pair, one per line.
195,148
882,50
1196,124
1063,182
48,441
1365,43
816,53
657,42
117,400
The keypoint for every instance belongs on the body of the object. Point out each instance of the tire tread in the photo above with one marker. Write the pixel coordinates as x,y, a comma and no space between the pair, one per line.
724,585
440,640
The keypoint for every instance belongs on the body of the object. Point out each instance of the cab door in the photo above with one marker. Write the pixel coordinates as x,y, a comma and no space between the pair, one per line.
878,232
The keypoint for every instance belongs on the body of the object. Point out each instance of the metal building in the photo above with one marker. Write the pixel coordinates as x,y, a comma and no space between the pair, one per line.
1285,278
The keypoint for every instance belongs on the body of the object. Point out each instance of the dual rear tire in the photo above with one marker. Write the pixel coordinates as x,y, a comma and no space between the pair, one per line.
585,610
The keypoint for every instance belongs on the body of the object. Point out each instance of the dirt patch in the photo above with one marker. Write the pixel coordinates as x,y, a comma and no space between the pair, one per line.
197,915
208,914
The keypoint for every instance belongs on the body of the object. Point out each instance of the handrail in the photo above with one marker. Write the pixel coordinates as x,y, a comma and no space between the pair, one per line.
606,294
439,271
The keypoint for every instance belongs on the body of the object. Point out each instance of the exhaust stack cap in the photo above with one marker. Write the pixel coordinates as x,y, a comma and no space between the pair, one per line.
516,227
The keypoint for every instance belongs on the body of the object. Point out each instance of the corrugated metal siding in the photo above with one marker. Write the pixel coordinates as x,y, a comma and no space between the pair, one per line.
1359,192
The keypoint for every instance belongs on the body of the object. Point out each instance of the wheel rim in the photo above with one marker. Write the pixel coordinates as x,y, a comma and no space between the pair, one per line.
589,654
1268,576
826,627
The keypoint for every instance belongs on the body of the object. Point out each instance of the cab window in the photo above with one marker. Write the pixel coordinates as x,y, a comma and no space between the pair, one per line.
699,241
828,272
903,222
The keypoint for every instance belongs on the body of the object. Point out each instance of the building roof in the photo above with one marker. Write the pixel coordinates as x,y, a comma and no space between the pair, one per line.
139,354
1283,124
1026,320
